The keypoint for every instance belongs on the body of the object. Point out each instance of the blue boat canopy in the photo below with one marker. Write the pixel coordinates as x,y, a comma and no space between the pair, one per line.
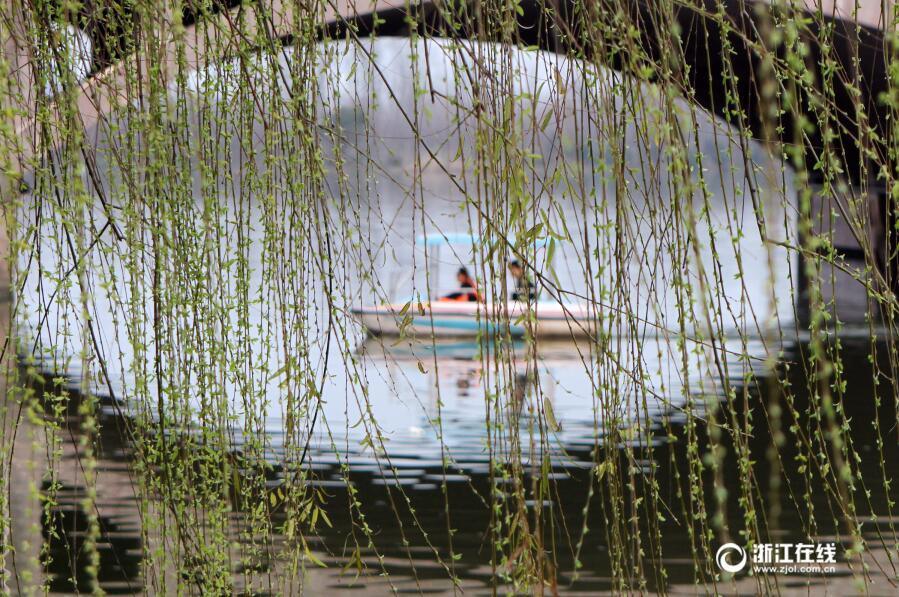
436,239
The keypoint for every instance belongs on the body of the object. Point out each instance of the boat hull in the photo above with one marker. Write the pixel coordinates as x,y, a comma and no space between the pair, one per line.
469,319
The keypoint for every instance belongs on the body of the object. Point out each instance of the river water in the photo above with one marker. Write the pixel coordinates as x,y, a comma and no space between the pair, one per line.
257,272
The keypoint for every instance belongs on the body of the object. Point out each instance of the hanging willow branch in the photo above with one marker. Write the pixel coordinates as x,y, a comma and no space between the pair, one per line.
200,198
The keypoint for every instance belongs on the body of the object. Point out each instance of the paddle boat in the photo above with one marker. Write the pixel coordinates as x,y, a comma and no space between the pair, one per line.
466,319
440,318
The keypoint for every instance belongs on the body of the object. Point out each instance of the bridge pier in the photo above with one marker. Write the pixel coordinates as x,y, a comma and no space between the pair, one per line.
849,232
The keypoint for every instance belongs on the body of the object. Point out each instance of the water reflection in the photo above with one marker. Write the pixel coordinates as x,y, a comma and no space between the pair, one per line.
440,396
414,467
119,542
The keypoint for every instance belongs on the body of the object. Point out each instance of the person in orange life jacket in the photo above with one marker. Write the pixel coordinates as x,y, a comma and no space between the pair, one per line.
467,292
525,290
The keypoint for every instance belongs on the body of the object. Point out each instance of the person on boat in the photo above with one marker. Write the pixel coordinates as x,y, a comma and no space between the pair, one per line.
468,291
525,290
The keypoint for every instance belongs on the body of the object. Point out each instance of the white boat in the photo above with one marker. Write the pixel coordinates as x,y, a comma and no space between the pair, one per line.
444,318
467,319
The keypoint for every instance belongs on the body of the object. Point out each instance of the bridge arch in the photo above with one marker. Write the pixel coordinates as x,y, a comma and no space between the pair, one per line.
716,55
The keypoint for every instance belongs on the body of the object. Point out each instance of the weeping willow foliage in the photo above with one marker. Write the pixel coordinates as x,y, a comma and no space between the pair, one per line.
196,197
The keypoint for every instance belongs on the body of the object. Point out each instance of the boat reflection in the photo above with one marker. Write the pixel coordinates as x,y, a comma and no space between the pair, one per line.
467,398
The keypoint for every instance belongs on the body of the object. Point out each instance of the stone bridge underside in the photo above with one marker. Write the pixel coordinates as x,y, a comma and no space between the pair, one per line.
718,57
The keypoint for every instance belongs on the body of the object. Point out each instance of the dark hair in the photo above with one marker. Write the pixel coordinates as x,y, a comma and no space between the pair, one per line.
463,271
514,263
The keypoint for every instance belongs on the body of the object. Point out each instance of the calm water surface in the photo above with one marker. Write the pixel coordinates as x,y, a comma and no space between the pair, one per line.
413,463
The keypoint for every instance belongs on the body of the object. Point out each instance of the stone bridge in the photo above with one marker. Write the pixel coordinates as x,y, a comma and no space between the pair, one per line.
716,55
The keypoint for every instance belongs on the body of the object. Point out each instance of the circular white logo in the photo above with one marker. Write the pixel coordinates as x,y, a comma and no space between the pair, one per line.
722,557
